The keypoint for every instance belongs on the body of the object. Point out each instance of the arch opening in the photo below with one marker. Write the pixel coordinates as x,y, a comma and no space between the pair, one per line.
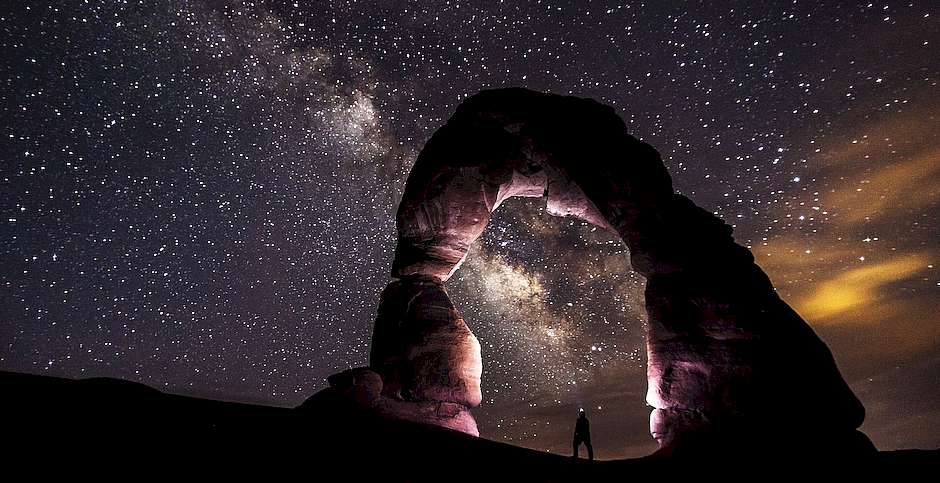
559,315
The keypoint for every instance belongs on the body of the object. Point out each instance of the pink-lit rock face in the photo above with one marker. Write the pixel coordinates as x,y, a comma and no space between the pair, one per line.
724,350
422,347
436,413
363,387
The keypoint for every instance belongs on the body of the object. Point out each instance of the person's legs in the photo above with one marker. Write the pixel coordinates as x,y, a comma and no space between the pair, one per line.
590,448
574,446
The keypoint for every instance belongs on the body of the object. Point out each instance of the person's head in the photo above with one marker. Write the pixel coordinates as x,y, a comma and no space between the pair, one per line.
582,413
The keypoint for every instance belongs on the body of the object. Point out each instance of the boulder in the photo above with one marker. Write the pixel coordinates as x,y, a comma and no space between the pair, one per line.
362,388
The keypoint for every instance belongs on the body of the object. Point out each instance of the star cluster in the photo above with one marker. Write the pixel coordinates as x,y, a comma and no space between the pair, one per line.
200,195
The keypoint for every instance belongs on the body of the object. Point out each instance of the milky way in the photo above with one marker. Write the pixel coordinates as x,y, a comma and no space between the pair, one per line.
200,195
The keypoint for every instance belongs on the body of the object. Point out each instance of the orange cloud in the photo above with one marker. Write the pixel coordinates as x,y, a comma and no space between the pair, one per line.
878,179
910,185
857,288
877,167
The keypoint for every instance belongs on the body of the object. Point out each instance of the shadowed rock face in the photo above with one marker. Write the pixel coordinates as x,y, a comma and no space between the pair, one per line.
725,352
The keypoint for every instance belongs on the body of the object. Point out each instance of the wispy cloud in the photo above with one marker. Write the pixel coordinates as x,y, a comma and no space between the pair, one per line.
861,288
891,190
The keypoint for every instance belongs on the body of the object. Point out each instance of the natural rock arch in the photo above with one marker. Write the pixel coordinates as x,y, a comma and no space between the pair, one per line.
726,356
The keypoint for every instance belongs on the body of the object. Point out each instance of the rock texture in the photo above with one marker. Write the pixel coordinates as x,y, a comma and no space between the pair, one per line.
425,363
363,388
725,352
422,347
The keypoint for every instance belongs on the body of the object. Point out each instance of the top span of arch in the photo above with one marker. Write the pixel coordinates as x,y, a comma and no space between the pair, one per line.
517,142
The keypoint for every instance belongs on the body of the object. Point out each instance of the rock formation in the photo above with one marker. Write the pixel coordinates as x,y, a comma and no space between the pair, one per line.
726,355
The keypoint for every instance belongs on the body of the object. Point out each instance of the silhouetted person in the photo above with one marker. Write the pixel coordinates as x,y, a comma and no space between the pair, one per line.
582,434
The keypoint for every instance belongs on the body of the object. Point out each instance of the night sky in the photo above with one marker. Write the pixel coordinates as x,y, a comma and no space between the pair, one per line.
200,195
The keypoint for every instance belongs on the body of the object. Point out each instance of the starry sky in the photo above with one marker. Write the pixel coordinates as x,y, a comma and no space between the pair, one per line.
200,195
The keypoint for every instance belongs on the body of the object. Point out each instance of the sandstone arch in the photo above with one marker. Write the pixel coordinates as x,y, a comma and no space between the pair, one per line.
726,354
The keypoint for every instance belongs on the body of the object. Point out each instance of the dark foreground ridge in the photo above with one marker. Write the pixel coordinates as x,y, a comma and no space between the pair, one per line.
109,423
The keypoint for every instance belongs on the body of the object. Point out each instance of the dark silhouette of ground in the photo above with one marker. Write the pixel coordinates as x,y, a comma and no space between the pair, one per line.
109,427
